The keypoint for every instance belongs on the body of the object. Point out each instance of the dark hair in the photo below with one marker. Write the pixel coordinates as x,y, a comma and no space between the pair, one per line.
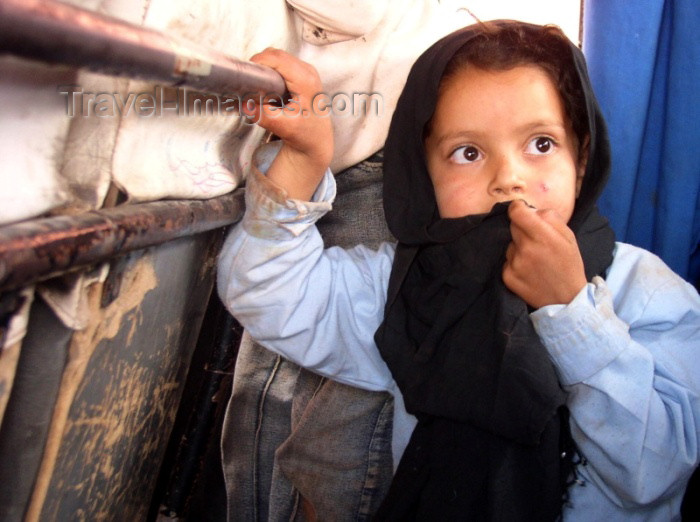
505,46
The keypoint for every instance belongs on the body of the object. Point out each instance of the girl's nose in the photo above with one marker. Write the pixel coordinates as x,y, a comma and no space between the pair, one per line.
508,178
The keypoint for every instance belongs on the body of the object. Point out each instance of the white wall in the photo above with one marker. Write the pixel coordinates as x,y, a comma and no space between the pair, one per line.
564,13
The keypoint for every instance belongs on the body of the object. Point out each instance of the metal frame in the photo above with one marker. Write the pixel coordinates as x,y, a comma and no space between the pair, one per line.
41,248
58,33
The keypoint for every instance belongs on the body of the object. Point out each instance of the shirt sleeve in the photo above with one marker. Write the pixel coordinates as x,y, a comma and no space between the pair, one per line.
319,308
627,352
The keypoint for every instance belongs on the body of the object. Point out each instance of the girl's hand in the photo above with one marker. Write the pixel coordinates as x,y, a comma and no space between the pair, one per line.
308,137
543,263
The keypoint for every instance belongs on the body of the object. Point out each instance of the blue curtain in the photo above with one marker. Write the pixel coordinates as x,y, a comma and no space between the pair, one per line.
644,61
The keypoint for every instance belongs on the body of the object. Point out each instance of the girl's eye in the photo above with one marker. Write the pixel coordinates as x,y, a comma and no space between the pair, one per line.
541,145
466,154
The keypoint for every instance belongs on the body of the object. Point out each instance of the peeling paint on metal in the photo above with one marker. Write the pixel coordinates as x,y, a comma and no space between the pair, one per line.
104,324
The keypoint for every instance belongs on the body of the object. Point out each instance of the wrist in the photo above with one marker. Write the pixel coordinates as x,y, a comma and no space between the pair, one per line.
298,173
573,290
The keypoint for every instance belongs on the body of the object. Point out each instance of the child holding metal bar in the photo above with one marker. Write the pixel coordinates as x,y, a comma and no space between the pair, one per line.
539,368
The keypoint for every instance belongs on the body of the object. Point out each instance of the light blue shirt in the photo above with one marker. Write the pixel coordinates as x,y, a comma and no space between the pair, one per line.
627,348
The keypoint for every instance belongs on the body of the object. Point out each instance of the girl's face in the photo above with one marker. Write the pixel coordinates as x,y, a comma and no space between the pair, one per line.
502,135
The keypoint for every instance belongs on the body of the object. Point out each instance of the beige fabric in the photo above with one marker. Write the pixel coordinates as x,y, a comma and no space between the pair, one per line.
55,162
33,130
199,155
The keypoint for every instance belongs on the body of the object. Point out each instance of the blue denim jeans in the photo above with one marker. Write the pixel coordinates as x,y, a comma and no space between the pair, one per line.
296,446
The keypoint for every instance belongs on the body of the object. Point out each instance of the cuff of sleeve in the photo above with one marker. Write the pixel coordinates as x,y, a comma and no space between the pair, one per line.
584,336
270,213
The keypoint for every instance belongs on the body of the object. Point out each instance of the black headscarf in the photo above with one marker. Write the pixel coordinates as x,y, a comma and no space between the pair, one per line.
492,422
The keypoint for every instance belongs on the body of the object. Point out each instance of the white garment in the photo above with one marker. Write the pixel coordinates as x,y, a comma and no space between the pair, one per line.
51,160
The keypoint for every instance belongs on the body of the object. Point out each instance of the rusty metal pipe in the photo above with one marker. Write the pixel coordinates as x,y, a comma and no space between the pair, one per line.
42,248
58,33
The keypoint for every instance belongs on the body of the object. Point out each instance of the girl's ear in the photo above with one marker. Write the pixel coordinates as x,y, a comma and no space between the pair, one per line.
582,162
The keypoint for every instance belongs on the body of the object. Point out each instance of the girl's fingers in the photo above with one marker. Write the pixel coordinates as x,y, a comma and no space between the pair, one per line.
299,76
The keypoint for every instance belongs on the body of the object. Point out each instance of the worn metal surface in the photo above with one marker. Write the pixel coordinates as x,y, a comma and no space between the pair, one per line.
38,249
59,33
122,384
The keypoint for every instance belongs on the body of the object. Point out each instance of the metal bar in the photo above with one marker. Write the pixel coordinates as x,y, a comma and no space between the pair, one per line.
39,249
58,33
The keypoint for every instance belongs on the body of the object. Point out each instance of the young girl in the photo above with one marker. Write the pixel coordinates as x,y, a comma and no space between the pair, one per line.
538,368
